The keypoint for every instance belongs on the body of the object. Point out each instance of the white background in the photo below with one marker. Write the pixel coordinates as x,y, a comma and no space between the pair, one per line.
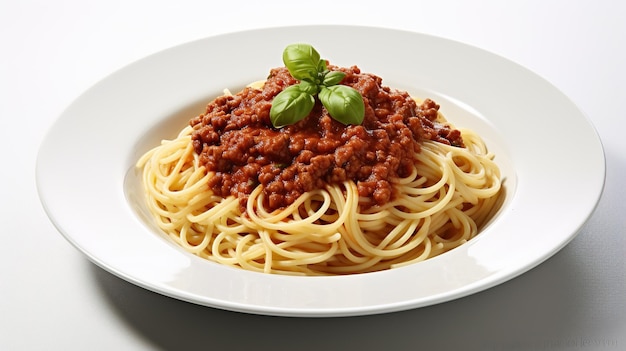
53,298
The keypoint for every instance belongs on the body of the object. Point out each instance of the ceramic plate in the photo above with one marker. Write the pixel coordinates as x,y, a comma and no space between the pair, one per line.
550,155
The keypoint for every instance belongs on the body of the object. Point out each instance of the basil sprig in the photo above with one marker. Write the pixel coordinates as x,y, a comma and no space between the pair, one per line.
344,104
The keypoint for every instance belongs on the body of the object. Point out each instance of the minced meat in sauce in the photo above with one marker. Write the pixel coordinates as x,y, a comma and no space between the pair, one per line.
235,139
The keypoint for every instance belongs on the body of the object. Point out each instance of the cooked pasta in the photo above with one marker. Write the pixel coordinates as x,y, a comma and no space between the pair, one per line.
328,173
451,192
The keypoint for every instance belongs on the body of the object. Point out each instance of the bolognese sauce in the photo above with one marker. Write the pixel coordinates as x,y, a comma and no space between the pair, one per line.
236,140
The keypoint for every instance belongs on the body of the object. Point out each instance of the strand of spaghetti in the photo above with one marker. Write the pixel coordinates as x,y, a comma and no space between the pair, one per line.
346,250
474,143
247,252
422,209
175,166
428,162
360,238
276,219
467,168
154,181
359,268
309,259
483,211
278,216
311,208
422,238
194,176
425,254
377,226
468,226
414,240
267,267
231,228
350,206
228,204
282,249
175,214
348,262
185,242
471,168
293,226
489,187
222,245
411,178
378,215
232,223
388,244
403,227
252,265
304,237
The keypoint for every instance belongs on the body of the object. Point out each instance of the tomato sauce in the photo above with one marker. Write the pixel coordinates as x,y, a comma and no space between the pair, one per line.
235,139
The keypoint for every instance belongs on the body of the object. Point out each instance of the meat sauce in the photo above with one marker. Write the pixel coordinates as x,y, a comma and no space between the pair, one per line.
235,139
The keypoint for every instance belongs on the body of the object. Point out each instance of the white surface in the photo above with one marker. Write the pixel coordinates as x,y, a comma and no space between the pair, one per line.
51,297
128,245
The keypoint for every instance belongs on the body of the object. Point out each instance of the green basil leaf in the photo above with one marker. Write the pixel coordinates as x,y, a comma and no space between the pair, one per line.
322,66
290,106
344,104
302,61
309,87
333,78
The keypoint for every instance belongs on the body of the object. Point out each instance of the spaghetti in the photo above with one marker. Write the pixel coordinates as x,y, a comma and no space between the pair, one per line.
443,199
317,197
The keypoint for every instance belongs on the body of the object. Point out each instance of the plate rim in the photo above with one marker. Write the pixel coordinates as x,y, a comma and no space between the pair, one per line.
62,225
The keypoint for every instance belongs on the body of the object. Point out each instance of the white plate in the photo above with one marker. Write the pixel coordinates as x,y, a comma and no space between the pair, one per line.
550,155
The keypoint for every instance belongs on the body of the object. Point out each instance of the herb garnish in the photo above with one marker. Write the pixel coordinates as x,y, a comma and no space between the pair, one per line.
344,104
